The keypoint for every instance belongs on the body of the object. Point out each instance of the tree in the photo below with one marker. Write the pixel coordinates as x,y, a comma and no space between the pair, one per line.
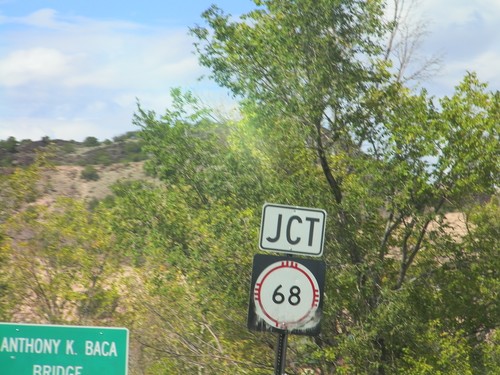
381,311
91,142
16,190
314,78
209,175
9,145
61,261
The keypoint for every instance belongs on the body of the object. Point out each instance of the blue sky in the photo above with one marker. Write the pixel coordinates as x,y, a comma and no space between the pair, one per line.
70,69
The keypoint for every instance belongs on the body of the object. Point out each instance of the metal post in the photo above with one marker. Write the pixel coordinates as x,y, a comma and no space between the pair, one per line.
281,354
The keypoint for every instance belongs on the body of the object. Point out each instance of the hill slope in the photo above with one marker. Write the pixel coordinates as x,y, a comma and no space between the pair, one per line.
109,162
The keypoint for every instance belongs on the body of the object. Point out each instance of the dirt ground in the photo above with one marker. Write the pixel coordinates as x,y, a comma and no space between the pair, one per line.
66,181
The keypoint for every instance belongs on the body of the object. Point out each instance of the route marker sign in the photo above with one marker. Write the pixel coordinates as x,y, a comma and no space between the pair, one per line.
34,349
292,230
286,295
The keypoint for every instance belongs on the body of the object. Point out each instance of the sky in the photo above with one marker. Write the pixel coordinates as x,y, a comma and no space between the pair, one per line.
76,68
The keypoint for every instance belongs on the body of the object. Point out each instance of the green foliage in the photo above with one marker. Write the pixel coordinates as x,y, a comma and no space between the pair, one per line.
323,124
91,142
89,173
97,156
6,161
396,265
492,353
20,187
339,132
133,151
7,150
438,352
185,267
9,145
187,146
16,190
122,152
126,136
61,265
68,147
289,52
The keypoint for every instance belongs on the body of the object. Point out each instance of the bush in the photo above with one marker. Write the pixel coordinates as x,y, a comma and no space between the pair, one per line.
10,145
126,136
91,142
98,156
89,173
68,148
133,151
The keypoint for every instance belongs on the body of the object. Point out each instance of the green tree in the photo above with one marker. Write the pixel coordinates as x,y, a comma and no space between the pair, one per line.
89,173
314,82
300,60
91,142
9,145
61,263
210,174
382,308
17,189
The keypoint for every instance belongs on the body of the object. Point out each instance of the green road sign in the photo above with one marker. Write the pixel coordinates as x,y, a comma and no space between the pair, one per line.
31,349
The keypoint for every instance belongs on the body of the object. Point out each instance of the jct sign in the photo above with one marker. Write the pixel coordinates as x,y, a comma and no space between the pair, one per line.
293,230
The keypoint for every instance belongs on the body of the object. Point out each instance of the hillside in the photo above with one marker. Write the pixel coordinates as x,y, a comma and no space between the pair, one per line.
125,148
107,163
66,180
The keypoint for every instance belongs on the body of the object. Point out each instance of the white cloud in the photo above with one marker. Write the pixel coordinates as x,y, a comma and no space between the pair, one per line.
42,18
485,64
50,19
36,64
67,77
89,53
70,77
464,34
459,12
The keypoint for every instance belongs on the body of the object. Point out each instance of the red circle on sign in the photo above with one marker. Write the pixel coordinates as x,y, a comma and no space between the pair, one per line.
277,313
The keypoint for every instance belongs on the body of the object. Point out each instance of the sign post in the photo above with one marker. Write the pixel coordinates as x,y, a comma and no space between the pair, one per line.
281,354
31,349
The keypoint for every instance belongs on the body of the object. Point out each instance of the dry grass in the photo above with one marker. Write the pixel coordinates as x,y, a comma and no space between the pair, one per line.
66,181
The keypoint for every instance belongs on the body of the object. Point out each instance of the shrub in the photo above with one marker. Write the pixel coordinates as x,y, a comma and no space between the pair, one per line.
91,142
89,173
10,145
68,148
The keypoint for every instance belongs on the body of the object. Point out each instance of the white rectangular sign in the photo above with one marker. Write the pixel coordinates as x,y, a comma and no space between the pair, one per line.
291,229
